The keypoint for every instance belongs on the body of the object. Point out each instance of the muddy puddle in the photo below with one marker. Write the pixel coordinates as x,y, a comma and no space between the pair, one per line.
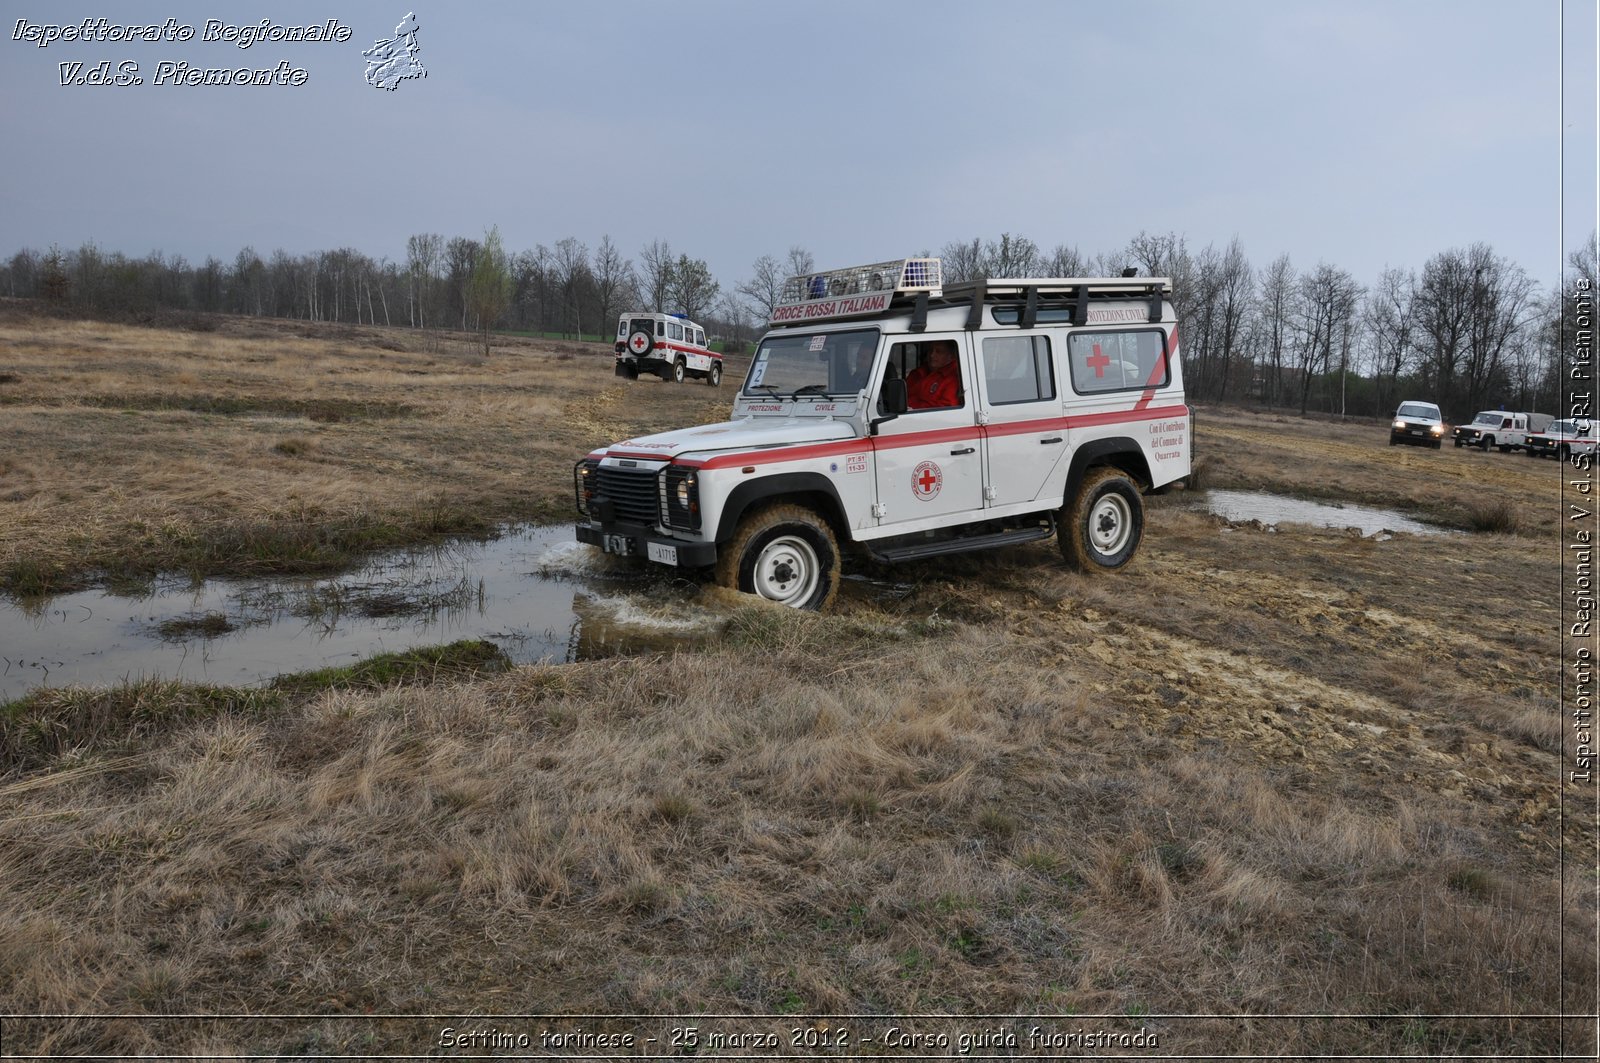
535,593
1271,510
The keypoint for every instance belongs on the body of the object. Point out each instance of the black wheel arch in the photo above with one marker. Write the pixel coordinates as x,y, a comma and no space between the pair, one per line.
810,489
1119,451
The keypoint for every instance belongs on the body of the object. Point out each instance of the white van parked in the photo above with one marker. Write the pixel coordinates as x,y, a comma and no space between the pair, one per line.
668,345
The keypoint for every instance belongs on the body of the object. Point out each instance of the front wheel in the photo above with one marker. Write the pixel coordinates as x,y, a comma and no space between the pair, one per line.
785,554
678,369
1485,443
714,377
1101,527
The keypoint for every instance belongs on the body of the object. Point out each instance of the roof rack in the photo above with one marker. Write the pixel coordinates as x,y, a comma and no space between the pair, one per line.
1056,291
917,283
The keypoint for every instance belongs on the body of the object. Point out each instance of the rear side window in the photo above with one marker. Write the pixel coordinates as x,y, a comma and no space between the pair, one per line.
674,331
1017,369
1117,361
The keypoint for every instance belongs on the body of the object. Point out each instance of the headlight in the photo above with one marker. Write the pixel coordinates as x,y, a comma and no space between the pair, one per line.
680,498
1399,424
584,481
1438,429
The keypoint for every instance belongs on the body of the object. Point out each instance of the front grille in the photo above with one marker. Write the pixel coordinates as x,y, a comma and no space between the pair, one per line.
633,492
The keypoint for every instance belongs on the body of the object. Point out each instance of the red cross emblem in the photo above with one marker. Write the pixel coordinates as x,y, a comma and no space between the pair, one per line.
926,479
638,343
1098,362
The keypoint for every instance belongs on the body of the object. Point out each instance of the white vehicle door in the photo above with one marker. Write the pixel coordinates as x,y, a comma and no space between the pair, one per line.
927,460
1025,435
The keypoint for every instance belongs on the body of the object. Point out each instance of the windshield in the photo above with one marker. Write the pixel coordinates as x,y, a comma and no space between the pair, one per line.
1418,409
816,363
1487,417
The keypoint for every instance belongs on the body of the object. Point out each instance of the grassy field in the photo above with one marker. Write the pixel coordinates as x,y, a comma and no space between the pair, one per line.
1263,771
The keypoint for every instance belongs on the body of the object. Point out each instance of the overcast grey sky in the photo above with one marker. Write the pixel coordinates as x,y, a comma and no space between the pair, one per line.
1361,133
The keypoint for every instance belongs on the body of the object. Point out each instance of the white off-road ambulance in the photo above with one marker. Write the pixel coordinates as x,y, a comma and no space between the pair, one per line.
668,345
908,418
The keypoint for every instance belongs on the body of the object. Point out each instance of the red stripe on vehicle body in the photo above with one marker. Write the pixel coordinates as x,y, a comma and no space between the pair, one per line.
669,345
917,439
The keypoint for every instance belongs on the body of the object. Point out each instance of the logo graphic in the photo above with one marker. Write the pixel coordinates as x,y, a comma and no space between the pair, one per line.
391,62
639,343
926,479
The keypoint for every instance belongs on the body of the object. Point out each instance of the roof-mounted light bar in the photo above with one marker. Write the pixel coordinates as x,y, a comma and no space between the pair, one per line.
855,290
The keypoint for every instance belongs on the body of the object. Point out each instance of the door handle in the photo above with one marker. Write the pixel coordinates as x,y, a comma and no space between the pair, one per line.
963,450
1052,439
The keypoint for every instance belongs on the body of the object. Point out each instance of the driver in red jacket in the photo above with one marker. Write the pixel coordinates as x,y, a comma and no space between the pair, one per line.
937,381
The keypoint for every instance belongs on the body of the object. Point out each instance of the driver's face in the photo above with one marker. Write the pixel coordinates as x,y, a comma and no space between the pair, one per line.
939,355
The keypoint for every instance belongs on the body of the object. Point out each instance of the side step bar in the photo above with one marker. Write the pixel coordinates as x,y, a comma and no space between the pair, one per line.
917,551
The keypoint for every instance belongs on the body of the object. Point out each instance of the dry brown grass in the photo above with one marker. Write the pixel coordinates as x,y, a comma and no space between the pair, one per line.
1270,773
275,446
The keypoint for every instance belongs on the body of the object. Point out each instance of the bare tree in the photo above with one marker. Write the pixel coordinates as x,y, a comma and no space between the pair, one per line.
571,263
1327,305
1391,322
765,286
423,252
800,261
1582,264
613,279
1065,261
460,254
1470,306
736,322
1236,285
1276,308
693,289
1009,256
961,261
655,266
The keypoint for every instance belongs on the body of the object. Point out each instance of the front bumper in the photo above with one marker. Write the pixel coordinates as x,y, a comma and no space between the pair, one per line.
633,540
1415,433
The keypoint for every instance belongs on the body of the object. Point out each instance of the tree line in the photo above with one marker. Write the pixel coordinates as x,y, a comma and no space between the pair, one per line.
1469,330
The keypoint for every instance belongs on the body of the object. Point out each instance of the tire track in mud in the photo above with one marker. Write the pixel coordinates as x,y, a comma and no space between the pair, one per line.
1197,696
596,416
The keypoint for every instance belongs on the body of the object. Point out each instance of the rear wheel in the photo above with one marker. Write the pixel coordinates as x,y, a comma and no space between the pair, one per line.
678,369
785,554
1100,529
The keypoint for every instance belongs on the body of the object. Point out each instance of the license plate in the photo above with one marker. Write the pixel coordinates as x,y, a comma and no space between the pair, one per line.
619,544
667,555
